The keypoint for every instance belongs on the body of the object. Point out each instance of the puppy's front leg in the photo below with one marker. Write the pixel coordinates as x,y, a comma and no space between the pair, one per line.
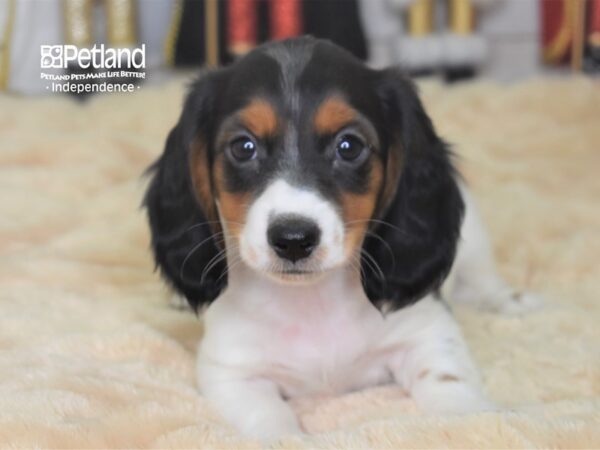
253,405
434,364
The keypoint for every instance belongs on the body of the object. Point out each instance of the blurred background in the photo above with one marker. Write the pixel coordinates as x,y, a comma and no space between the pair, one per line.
456,40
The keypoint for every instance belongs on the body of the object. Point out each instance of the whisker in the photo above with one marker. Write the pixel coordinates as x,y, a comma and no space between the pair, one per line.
368,263
194,248
209,222
228,267
381,222
220,256
387,246
368,255
356,265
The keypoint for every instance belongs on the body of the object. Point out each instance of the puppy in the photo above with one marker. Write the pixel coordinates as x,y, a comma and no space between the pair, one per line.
307,205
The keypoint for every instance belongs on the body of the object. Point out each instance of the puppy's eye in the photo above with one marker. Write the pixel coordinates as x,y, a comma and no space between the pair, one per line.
349,148
243,149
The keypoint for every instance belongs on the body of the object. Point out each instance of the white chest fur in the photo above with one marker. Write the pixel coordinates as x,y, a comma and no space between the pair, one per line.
322,338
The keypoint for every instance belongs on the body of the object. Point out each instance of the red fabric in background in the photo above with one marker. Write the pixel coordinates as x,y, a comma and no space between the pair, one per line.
241,22
285,21
552,18
286,18
555,21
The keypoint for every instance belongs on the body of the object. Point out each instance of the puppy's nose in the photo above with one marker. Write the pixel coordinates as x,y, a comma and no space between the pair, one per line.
293,238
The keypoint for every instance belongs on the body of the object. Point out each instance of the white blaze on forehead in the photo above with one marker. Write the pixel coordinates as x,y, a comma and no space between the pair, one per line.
281,198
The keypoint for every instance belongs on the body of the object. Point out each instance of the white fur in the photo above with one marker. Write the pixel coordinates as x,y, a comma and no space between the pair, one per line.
280,199
266,341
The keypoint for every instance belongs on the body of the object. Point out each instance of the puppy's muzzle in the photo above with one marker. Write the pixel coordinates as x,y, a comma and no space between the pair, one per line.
293,237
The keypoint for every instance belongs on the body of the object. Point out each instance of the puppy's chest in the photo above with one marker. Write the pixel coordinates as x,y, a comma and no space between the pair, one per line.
335,337
327,353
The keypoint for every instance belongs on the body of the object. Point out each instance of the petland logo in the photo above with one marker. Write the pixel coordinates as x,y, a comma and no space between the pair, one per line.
84,71
97,57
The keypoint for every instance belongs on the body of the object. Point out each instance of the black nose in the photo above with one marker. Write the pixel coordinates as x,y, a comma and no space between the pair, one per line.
293,238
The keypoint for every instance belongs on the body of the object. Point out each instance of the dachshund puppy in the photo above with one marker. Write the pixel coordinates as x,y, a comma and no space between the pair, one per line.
307,205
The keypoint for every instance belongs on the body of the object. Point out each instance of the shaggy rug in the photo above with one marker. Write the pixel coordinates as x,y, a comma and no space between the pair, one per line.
94,354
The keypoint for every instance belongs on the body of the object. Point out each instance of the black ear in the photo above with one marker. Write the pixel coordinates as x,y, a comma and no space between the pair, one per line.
414,236
184,225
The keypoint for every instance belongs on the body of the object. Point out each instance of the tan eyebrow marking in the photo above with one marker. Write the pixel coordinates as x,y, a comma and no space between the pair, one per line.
333,114
259,117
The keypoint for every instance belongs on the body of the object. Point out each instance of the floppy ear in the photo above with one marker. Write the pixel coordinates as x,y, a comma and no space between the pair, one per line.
181,210
414,235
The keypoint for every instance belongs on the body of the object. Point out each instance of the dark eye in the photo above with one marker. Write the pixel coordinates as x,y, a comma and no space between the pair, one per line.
243,149
349,148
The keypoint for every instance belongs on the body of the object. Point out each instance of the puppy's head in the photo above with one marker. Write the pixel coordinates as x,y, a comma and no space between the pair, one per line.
298,159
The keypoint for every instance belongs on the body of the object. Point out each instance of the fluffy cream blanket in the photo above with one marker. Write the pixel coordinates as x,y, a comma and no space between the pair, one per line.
92,353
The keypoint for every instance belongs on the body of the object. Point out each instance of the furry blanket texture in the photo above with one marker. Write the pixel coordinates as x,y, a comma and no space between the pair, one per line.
94,354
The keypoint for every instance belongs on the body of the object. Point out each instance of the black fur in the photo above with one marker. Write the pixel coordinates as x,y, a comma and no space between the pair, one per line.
178,223
420,225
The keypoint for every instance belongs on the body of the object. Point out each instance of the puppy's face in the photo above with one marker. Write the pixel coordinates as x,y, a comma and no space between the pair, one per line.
296,190
297,164
304,160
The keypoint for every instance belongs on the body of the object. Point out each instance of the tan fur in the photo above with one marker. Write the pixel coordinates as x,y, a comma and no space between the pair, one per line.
233,206
332,115
260,118
201,178
358,209
393,169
